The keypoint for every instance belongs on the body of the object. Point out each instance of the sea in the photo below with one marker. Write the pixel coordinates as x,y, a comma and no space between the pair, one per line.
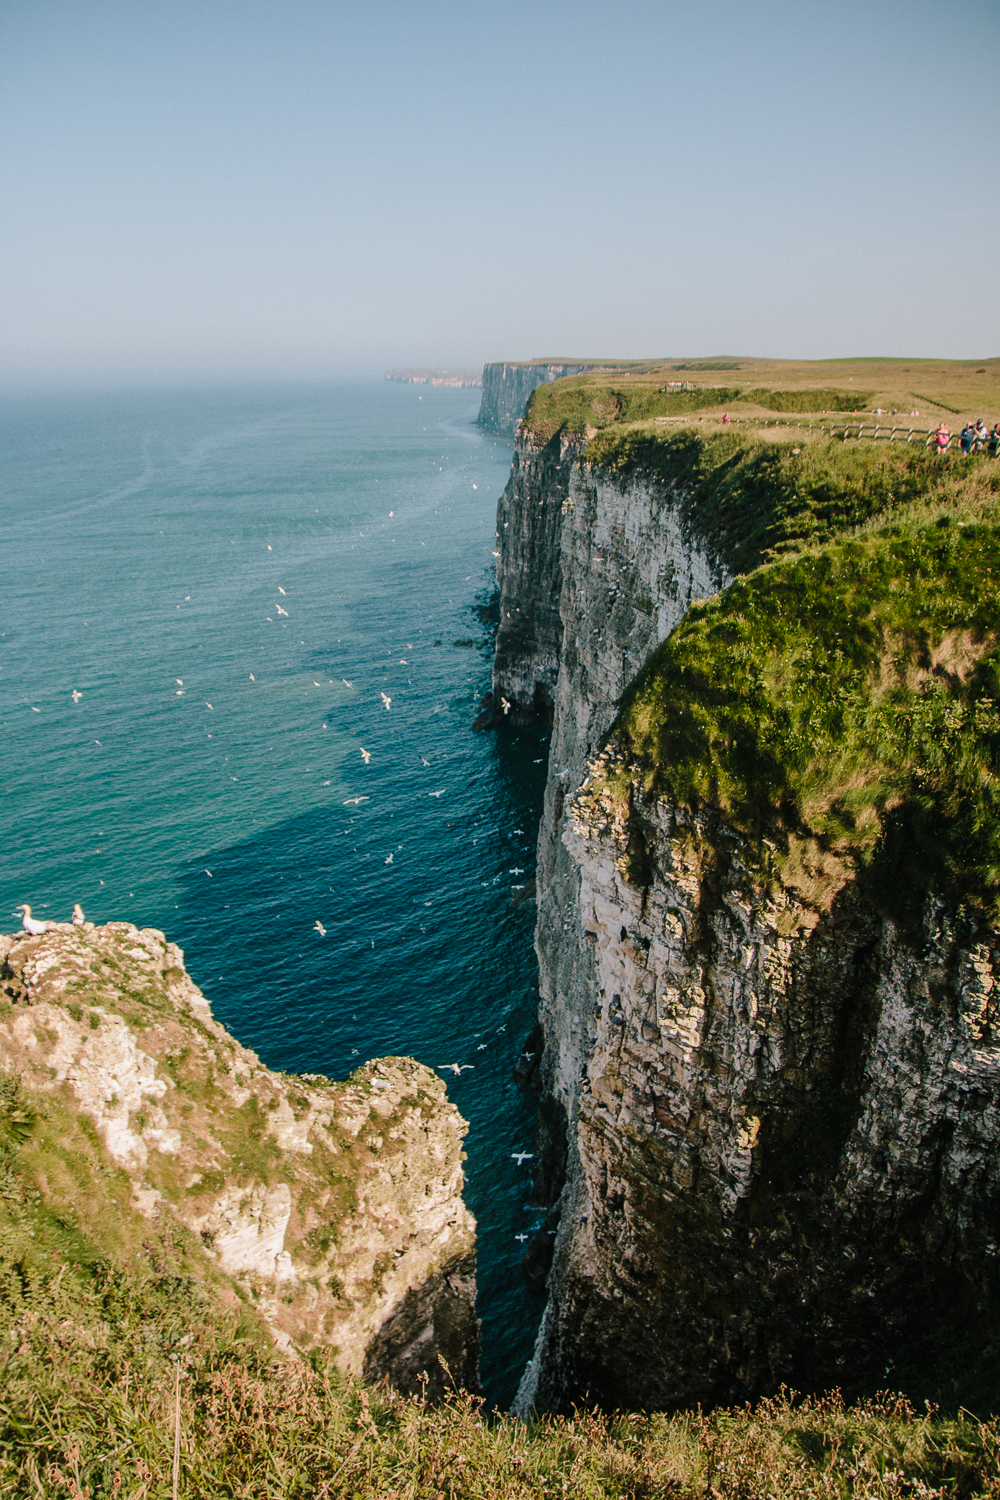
244,638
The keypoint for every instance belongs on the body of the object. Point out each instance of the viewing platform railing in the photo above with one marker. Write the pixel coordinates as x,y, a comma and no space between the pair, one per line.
880,432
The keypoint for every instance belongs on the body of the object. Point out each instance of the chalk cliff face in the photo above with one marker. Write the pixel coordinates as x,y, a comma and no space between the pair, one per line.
771,1131
335,1208
592,574
507,386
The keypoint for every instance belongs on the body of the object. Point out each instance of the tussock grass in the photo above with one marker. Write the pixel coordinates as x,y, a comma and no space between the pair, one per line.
90,1349
87,1409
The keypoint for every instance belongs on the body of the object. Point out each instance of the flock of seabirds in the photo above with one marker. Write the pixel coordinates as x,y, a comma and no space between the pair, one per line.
37,928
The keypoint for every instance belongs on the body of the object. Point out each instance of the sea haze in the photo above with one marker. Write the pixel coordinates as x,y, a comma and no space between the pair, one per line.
231,580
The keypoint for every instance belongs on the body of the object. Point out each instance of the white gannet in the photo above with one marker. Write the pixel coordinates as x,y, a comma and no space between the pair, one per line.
29,923
252,677
280,589
455,1068
387,701
425,760
516,871
346,683
353,801
278,610
366,756
521,1237
521,1156
319,928
388,859
78,917
481,1047
76,696
437,794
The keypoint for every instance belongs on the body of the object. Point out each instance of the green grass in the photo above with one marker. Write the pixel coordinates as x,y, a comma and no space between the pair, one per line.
750,499
806,400
843,704
91,1343
576,404
87,1408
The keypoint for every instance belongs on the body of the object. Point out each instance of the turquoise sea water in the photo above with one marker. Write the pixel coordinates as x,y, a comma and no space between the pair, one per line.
231,580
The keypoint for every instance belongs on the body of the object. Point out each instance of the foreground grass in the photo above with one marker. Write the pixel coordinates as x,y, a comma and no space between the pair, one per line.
87,1408
98,1356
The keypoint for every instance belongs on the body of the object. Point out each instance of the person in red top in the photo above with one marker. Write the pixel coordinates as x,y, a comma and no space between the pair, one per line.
941,438
725,419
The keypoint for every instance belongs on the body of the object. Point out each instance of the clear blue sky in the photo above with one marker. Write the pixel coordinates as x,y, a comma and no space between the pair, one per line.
222,185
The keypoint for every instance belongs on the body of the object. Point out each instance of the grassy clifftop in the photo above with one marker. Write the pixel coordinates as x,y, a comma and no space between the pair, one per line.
841,700
937,389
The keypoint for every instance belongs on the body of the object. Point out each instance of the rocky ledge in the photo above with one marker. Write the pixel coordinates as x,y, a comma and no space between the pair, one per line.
334,1207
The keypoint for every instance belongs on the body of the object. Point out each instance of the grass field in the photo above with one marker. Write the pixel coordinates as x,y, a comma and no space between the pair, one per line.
950,390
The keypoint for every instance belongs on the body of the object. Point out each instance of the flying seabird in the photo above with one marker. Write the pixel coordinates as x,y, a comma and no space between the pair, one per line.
387,701
455,1068
388,859
437,794
366,756
280,589
346,683
319,928
521,1156
78,917
29,923
521,1237
280,611
76,696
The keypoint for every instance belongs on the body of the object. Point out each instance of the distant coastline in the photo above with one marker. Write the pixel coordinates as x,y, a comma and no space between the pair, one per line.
456,378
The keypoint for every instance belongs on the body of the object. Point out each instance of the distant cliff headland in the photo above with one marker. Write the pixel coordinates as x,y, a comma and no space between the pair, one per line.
455,378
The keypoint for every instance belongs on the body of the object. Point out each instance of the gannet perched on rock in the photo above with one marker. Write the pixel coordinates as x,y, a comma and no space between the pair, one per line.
78,917
29,923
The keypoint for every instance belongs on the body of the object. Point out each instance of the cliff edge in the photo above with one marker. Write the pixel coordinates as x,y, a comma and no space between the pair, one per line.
767,899
138,1128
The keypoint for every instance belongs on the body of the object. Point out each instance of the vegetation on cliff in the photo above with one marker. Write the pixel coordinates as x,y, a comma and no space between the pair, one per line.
843,702
105,1366
749,499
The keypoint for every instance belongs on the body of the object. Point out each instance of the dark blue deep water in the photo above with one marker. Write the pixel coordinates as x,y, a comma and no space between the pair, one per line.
231,580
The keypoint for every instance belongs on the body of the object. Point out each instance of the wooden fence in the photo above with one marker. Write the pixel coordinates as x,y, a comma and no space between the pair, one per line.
873,431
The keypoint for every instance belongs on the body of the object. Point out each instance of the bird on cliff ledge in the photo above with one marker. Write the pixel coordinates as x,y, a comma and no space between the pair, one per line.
78,917
29,923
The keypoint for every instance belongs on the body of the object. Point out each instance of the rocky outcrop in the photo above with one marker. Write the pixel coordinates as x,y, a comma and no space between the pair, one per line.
767,1131
507,386
335,1208
786,1129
